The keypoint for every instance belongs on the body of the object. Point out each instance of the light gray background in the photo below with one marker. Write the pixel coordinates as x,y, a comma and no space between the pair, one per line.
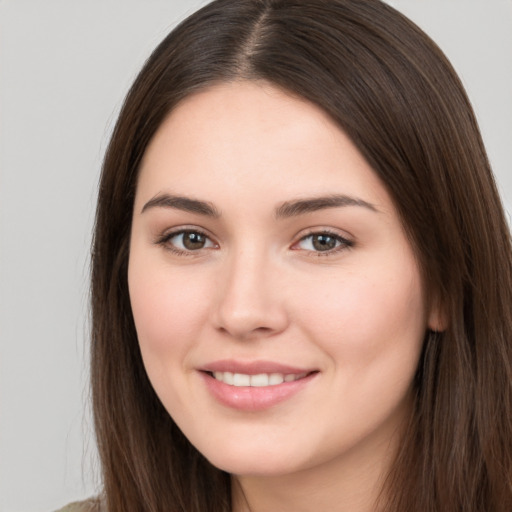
65,66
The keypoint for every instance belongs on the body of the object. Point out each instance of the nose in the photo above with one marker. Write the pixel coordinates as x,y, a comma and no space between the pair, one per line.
251,302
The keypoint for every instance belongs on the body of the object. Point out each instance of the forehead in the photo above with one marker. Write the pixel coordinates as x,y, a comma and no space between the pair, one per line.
253,139
228,115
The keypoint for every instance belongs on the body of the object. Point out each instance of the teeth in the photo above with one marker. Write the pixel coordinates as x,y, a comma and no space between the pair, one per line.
260,380
278,378
240,379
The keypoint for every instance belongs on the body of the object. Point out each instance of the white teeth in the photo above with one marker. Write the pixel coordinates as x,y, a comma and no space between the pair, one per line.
278,378
226,377
240,379
259,380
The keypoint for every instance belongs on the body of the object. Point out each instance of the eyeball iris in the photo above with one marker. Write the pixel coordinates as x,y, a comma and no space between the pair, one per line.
193,241
323,242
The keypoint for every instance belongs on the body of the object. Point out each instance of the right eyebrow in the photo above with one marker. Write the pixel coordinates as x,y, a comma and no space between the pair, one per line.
184,203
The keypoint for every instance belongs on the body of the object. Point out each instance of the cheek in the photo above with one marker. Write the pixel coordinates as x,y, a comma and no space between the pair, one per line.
371,326
376,317
169,310
168,307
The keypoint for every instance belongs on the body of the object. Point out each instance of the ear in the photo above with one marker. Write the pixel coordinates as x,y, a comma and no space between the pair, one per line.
437,316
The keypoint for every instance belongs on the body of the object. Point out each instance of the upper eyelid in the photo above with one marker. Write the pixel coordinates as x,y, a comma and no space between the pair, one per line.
171,232
327,233
338,233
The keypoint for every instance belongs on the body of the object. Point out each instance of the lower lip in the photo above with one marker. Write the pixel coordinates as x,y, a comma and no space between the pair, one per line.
249,398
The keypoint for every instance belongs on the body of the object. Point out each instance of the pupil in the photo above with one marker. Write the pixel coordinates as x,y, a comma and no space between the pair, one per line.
193,241
324,242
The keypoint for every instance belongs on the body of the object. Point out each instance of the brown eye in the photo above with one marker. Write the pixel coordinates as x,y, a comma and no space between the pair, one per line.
187,241
193,240
323,243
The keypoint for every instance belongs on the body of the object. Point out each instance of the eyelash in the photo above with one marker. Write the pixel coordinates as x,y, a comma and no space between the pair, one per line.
343,243
165,239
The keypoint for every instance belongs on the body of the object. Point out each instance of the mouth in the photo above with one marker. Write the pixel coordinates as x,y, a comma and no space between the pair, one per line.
255,386
259,380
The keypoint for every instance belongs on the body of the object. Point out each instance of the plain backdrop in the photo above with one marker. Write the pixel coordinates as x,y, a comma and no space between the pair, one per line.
65,66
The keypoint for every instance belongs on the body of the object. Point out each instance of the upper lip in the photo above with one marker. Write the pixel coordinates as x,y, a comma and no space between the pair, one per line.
253,367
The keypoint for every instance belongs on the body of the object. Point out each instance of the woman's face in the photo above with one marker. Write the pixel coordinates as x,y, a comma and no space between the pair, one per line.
277,301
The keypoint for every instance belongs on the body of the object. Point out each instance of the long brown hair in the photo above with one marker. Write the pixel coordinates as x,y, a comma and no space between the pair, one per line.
390,88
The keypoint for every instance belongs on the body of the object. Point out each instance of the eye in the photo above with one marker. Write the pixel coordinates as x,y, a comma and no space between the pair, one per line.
186,241
323,242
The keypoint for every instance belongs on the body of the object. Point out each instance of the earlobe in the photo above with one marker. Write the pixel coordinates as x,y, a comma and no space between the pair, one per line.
438,317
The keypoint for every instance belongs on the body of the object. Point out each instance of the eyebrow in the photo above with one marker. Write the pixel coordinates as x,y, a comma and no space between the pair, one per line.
285,210
186,204
309,205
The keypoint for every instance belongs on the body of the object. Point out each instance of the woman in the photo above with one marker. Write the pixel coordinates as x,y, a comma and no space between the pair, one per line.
301,273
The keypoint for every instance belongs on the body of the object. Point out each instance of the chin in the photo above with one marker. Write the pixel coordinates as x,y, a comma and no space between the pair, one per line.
267,468
254,462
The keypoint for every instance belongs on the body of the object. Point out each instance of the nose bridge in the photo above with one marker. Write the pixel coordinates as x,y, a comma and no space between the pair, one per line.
249,301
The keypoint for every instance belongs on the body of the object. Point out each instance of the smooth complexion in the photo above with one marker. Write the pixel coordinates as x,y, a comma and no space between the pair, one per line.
264,244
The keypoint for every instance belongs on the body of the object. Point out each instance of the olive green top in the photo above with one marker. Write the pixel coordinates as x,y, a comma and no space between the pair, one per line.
91,505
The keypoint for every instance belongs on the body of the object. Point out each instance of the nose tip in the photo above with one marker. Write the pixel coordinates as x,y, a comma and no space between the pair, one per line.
243,328
250,304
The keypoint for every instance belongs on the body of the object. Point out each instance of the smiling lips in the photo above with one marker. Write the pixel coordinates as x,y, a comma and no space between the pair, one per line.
254,386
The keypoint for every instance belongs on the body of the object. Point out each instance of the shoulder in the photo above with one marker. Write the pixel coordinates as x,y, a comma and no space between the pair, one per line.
91,505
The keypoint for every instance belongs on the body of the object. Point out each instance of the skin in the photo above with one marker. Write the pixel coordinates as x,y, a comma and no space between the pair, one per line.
260,289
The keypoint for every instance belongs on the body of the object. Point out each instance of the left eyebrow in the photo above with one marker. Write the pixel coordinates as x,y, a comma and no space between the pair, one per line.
308,205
